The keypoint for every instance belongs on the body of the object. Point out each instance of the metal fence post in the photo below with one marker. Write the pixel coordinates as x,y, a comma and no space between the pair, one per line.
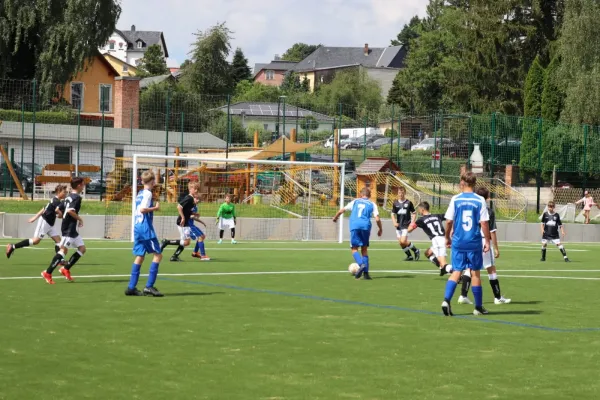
182,121
131,126
339,134
22,132
34,105
102,143
392,134
79,135
493,144
283,132
228,129
399,138
168,106
441,156
470,142
585,145
365,139
539,166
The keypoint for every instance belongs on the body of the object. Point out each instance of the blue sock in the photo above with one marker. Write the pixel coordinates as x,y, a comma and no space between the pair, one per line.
477,295
135,275
197,247
366,262
152,274
201,246
450,288
358,258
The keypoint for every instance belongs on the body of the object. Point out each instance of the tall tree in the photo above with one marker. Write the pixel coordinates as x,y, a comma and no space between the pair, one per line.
153,63
239,67
409,32
353,88
51,41
534,86
210,73
299,51
553,93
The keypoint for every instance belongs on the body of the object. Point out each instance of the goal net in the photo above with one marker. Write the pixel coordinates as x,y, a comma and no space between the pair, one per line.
274,200
567,212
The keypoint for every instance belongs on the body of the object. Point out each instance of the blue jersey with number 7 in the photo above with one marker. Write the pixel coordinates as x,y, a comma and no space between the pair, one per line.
362,211
467,210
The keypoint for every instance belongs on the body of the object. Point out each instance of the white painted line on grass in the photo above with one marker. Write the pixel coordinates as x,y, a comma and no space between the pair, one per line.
286,249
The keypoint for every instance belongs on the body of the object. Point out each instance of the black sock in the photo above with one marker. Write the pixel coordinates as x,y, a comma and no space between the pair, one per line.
564,252
434,260
58,257
543,252
21,244
466,285
178,251
407,251
56,248
73,260
495,284
232,233
221,234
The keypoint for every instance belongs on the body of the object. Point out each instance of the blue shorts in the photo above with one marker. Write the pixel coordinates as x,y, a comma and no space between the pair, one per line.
462,260
195,232
148,246
360,238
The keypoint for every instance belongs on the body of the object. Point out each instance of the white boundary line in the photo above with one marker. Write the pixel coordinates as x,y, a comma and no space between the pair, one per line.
286,249
11,278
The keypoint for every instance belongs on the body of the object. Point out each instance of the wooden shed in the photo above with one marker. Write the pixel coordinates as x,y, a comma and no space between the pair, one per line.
367,175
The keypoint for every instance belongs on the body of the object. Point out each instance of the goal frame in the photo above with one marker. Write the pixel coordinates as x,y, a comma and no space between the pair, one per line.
134,186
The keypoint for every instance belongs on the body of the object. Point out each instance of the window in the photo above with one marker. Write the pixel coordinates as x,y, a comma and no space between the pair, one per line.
125,68
62,155
119,152
111,45
266,127
270,74
77,95
105,98
140,44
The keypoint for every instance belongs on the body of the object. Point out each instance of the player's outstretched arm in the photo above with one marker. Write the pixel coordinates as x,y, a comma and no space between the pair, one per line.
36,216
495,242
180,211
485,228
449,225
379,225
338,214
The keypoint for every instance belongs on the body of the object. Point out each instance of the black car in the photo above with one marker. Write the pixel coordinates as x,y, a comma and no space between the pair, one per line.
96,184
376,145
25,175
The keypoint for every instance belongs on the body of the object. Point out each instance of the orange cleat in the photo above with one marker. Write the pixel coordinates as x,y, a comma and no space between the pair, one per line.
196,255
47,277
204,258
66,273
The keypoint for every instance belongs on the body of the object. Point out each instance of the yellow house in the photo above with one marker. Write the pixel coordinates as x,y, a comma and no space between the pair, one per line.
92,89
123,68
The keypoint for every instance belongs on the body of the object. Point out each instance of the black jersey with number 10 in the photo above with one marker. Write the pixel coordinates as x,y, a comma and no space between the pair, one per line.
432,225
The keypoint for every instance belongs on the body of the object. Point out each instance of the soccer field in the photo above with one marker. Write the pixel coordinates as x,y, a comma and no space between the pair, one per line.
287,321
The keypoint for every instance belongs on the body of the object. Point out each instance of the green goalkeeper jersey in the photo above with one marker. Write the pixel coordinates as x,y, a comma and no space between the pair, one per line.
226,211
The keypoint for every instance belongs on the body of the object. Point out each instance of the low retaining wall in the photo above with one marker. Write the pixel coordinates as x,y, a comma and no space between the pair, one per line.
16,226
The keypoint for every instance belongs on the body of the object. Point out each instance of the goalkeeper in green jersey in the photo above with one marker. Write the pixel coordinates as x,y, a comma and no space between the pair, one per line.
226,219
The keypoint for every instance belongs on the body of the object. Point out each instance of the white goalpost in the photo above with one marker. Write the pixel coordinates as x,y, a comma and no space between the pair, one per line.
274,200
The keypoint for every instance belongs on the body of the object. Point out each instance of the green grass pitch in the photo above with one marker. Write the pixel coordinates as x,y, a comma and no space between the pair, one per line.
286,321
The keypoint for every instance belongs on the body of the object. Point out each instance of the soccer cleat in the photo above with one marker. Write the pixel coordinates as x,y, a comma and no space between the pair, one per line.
567,260
152,291
175,259
164,244
447,309
204,258
417,254
220,241
409,258
480,311
9,250
443,271
47,277
359,273
464,300
133,292
368,277
233,241
543,259
196,255
501,300
66,273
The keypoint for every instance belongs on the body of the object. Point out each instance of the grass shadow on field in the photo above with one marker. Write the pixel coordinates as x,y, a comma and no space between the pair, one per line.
517,312
527,302
394,277
102,280
192,294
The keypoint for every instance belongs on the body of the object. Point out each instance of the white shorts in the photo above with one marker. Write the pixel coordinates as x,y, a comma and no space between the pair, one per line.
184,232
71,243
438,246
226,223
401,233
489,259
554,241
44,229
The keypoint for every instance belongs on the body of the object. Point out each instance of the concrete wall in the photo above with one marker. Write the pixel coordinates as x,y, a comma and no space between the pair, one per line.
16,225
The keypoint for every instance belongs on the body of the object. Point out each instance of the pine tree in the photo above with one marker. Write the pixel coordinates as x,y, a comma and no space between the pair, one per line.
553,95
534,87
239,67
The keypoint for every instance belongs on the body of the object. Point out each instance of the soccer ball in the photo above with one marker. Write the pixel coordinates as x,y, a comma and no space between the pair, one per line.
353,268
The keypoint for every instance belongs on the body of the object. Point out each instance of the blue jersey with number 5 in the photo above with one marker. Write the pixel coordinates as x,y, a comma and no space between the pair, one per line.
467,210
362,211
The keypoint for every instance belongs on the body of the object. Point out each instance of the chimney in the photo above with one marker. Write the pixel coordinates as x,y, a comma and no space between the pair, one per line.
132,28
366,49
277,58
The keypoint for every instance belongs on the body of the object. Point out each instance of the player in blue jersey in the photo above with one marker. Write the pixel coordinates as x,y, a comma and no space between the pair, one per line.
145,240
197,235
360,229
467,219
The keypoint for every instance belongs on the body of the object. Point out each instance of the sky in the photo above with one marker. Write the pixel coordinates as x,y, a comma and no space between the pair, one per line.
265,28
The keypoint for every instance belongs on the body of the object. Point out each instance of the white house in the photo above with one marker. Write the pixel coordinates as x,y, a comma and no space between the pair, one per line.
358,132
130,46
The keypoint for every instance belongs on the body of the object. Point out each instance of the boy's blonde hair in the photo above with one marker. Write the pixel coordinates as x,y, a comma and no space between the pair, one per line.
147,177
60,188
194,185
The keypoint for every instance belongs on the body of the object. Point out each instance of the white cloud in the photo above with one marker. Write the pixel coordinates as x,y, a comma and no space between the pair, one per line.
265,29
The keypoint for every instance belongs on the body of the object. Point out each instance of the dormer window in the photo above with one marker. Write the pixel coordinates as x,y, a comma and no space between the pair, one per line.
140,44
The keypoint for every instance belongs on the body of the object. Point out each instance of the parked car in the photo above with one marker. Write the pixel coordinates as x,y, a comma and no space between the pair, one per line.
96,184
373,138
26,175
376,145
329,142
404,143
355,143
430,143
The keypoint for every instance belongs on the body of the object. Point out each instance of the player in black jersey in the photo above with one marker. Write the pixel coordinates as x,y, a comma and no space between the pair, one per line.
550,224
488,260
432,225
404,214
46,218
185,209
71,239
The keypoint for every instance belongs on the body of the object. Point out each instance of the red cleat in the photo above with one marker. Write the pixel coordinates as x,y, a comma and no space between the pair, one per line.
196,255
66,273
47,277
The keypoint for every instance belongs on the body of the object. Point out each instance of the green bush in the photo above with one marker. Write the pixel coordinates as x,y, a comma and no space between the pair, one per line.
43,117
